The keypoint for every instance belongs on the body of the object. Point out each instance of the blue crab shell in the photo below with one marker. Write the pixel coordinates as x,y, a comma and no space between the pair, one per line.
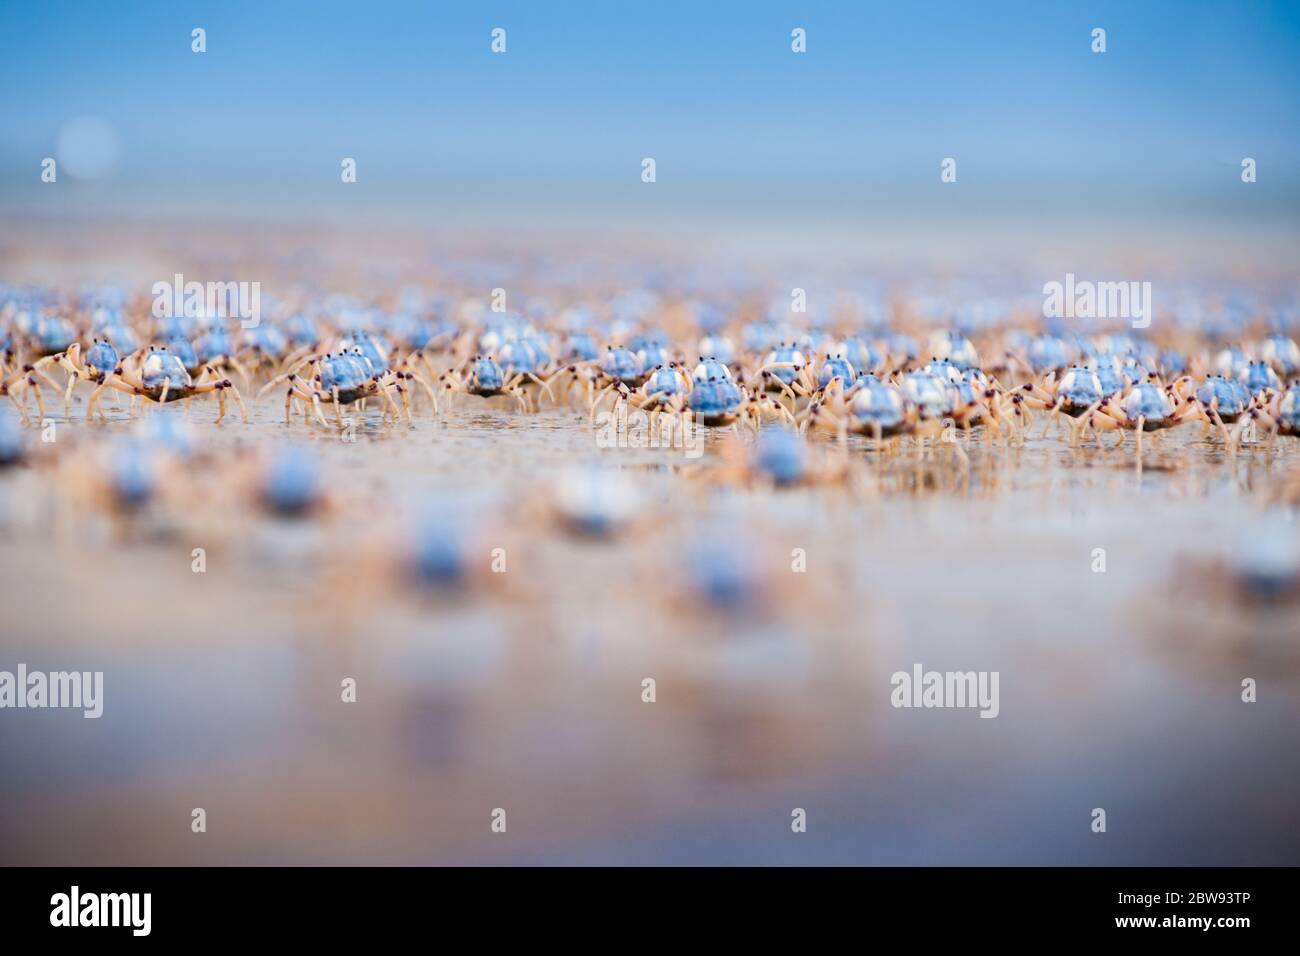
581,346
100,357
166,433
1231,362
1289,411
928,392
438,558
651,355
903,346
486,376
646,340
721,579
1258,376
719,346
621,364
955,347
1119,343
944,369
292,484
300,330
440,334
710,319
212,345
541,350
1047,352
371,348
757,336
1172,363
834,368
518,356
960,394
123,339
1078,388
176,327
54,334
711,368
1107,369
1231,400
665,381
1282,352
185,352
716,401
161,364
346,372
268,340
783,354
860,353
1147,401
131,477
782,455
877,404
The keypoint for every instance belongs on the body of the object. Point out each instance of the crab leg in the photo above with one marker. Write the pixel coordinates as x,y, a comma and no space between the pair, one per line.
239,399
600,397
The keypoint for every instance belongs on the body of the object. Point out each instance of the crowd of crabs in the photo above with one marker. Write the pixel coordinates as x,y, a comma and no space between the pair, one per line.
889,384
789,382
868,381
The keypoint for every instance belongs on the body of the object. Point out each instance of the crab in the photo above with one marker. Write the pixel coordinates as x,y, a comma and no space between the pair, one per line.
379,362
161,378
1049,353
19,383
50,335
215,348
1221,402
1281,353
618,366
1145,408
128,478
288,485
665,391
597,504
262,348
100,360
337,378
879,409
818,378
922,407
861,354
482,376
526,361
1076,393
719,346
1259,378
780,367
1278,415
716,402
782,458
946,344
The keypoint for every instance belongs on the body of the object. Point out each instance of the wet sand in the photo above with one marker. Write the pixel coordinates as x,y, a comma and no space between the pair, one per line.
1119,690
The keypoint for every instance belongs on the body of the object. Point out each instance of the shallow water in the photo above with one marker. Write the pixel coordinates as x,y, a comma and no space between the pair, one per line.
522,690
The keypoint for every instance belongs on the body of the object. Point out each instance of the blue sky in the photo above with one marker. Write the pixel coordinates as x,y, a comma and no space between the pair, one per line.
742,129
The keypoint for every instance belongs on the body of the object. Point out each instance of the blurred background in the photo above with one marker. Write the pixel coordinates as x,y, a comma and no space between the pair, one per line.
1060,151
